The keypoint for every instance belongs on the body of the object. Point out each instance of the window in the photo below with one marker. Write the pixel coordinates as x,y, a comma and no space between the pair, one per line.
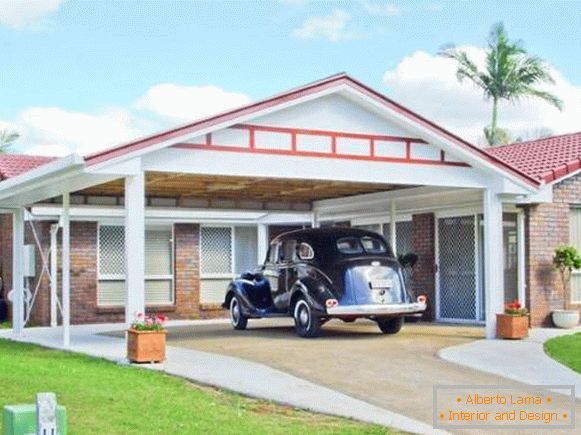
349,245
225,252
575,240
289,250
306,251
373,245
158,266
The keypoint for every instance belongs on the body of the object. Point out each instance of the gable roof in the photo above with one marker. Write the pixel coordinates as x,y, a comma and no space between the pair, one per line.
12,165
16,165
548,159
337,80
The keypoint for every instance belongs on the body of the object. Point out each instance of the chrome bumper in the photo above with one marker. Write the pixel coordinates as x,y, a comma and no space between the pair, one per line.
376,309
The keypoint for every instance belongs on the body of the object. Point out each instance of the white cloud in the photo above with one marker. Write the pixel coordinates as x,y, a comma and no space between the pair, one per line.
332,27
427,84
187,103
19,14
56,131
51,130
381,9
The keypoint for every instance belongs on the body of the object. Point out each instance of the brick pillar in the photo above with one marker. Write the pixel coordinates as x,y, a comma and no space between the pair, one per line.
84,274
423,244
187,270
547,227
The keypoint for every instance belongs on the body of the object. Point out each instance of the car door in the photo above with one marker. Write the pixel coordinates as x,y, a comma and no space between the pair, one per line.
286,263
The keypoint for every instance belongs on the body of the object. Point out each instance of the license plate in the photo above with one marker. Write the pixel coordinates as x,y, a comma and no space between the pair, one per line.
381,283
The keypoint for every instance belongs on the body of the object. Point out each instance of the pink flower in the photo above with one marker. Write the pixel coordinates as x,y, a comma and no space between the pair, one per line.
149,321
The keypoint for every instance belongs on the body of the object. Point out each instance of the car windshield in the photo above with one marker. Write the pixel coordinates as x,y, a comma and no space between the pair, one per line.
359,245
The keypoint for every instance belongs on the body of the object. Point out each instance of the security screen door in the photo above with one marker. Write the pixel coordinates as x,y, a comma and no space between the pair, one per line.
457,269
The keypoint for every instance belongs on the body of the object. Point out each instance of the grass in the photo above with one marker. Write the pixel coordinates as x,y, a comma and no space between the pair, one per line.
102,397
566,349
5,325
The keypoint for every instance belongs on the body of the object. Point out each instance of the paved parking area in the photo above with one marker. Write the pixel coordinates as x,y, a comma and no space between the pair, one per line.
395,372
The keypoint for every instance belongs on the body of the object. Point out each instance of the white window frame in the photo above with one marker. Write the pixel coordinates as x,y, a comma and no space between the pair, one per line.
122,276
576,208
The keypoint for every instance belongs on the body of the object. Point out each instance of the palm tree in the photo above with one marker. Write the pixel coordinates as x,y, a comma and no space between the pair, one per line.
510,74
7,138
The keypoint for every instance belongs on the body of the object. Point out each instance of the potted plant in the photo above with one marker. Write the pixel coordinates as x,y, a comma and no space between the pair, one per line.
566,260
514,322
146,339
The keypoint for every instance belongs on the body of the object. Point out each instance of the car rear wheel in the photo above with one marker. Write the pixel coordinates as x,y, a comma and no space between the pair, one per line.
390,326
307,324
237,318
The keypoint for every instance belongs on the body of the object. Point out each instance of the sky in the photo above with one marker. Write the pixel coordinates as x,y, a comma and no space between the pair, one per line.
81,75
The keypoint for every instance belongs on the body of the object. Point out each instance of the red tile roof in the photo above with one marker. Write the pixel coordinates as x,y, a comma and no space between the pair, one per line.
12,165
548,159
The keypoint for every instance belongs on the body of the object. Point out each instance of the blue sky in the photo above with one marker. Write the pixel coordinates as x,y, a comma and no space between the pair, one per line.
104,61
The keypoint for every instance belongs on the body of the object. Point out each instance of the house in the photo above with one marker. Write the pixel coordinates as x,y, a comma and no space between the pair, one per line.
163,222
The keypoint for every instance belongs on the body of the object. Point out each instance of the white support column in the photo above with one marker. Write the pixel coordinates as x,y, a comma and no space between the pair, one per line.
521,257
53,275
134,245
262,243
18,272
392,227
493,261
66,271
315,220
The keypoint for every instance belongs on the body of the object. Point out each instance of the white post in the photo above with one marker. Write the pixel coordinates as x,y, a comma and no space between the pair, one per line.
66,271
134,245
53,274
18,272
493,261
521,257
392,227
262,243
314,220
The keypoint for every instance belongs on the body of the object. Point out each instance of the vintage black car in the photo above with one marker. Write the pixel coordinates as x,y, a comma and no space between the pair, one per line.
315,275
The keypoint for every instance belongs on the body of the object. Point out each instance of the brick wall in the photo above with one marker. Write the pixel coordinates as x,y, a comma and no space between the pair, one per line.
423,279
84,275
547,227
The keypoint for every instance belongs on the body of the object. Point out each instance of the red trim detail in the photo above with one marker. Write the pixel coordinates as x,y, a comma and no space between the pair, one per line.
408,150
372,147
209,139
293,141
330,133
333,144
251,142
235,149
442,155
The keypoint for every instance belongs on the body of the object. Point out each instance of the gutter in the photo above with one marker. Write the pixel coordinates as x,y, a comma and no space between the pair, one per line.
41,175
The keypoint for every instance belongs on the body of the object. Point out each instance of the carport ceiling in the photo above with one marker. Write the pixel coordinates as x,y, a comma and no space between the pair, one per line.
240,188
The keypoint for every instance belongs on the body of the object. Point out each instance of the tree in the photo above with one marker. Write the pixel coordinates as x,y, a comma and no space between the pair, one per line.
509,73
7,138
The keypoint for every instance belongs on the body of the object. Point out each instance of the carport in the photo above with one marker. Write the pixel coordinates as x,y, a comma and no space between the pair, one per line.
330,151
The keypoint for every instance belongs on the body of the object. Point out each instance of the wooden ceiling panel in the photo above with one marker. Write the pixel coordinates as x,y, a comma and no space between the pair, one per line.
239,188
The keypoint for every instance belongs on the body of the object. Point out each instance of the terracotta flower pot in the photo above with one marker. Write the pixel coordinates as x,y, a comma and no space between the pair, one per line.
146,346
512,327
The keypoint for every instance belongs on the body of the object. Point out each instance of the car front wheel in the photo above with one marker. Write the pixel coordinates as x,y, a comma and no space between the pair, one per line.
307,324
390,326
237,318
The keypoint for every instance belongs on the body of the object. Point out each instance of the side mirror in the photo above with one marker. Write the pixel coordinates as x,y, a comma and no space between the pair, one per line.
408,260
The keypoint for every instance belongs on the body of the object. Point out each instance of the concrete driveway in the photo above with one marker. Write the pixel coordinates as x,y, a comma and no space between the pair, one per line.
395,372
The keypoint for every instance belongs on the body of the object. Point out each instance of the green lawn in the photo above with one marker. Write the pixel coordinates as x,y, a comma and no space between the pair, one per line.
566,349
5,325
102,397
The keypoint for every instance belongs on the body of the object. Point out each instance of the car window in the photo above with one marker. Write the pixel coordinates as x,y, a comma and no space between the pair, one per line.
288,253
373,245
349,245
305,251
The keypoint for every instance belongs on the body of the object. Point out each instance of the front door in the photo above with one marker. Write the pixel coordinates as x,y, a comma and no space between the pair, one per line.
457,269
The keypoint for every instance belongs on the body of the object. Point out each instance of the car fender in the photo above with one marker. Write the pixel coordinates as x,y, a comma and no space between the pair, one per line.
315,293
238,288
